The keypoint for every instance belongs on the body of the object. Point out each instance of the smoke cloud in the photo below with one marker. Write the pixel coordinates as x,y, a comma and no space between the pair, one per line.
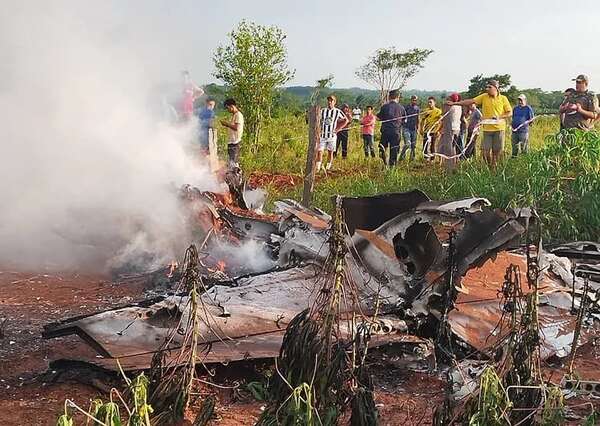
89,170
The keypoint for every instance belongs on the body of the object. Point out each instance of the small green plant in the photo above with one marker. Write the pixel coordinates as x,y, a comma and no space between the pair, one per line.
493,402
593,419
109,413
553,413
65,419
258,390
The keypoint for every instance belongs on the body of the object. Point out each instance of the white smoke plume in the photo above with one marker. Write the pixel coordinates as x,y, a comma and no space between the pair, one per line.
88,170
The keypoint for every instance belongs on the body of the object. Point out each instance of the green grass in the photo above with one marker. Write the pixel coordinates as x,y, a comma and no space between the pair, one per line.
561,181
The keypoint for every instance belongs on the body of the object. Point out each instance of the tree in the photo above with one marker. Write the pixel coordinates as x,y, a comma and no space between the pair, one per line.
389,69
477,86
253,65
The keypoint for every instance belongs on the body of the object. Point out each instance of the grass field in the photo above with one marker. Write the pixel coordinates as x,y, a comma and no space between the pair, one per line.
561,180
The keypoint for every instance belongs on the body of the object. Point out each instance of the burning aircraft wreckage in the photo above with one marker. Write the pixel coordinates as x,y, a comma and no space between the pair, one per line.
442,280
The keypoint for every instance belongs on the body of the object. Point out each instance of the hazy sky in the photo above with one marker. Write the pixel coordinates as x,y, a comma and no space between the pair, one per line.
541,43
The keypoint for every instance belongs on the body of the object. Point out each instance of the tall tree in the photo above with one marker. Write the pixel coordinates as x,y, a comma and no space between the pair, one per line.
389,69
253,65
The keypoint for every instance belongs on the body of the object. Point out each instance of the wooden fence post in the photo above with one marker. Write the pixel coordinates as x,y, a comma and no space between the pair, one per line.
213,158
313,140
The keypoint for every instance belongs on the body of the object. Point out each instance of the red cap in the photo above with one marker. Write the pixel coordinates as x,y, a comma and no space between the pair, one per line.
454,97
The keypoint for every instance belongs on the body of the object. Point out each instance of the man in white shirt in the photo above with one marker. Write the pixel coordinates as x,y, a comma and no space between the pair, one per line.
235,128
332,120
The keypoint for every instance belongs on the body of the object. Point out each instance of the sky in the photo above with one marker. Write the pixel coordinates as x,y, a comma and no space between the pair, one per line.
541,43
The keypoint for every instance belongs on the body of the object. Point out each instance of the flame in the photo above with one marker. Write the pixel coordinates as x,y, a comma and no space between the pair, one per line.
221,265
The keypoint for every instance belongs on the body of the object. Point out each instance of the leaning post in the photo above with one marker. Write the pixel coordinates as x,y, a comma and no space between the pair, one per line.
313,140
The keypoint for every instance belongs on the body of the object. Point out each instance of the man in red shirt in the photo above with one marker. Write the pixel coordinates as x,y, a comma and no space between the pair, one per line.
368,130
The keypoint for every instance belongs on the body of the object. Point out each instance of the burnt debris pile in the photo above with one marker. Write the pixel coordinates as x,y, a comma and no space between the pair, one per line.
470,289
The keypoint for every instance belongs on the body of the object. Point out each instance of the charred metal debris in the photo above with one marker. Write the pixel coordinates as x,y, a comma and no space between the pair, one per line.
464,286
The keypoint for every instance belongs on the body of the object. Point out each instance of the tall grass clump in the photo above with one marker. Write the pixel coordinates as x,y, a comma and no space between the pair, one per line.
561,180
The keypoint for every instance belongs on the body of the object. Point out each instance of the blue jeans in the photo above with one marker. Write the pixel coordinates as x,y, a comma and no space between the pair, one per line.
459,142
410,141
520,139
368,145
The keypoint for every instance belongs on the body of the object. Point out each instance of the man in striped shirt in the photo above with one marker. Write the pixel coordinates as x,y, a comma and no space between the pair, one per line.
332,120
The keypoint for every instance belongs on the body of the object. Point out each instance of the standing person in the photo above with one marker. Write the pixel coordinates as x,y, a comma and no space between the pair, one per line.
343,133
495,110
356,113
522,116
430,126
368,131
235,131
450,132
391,115
190,92
410,127
566,95
332,120
206,118
474,118
581,106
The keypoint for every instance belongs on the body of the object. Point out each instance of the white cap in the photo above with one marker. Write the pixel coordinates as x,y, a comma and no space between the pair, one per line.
522,96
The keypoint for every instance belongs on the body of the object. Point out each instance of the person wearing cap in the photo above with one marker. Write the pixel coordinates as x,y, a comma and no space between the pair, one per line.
522,116
391,116
495,109
580,108
409,127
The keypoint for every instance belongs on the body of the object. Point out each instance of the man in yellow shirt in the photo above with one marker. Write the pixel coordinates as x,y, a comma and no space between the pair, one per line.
430,124
495,109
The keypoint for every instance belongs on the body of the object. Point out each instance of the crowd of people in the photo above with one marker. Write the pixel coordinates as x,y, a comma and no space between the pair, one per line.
451,132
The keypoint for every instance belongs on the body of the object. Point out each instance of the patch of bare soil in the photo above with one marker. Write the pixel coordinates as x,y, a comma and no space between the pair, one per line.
278,181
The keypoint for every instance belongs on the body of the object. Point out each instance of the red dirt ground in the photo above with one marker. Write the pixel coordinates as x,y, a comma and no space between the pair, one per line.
30,300
274,180
281,182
